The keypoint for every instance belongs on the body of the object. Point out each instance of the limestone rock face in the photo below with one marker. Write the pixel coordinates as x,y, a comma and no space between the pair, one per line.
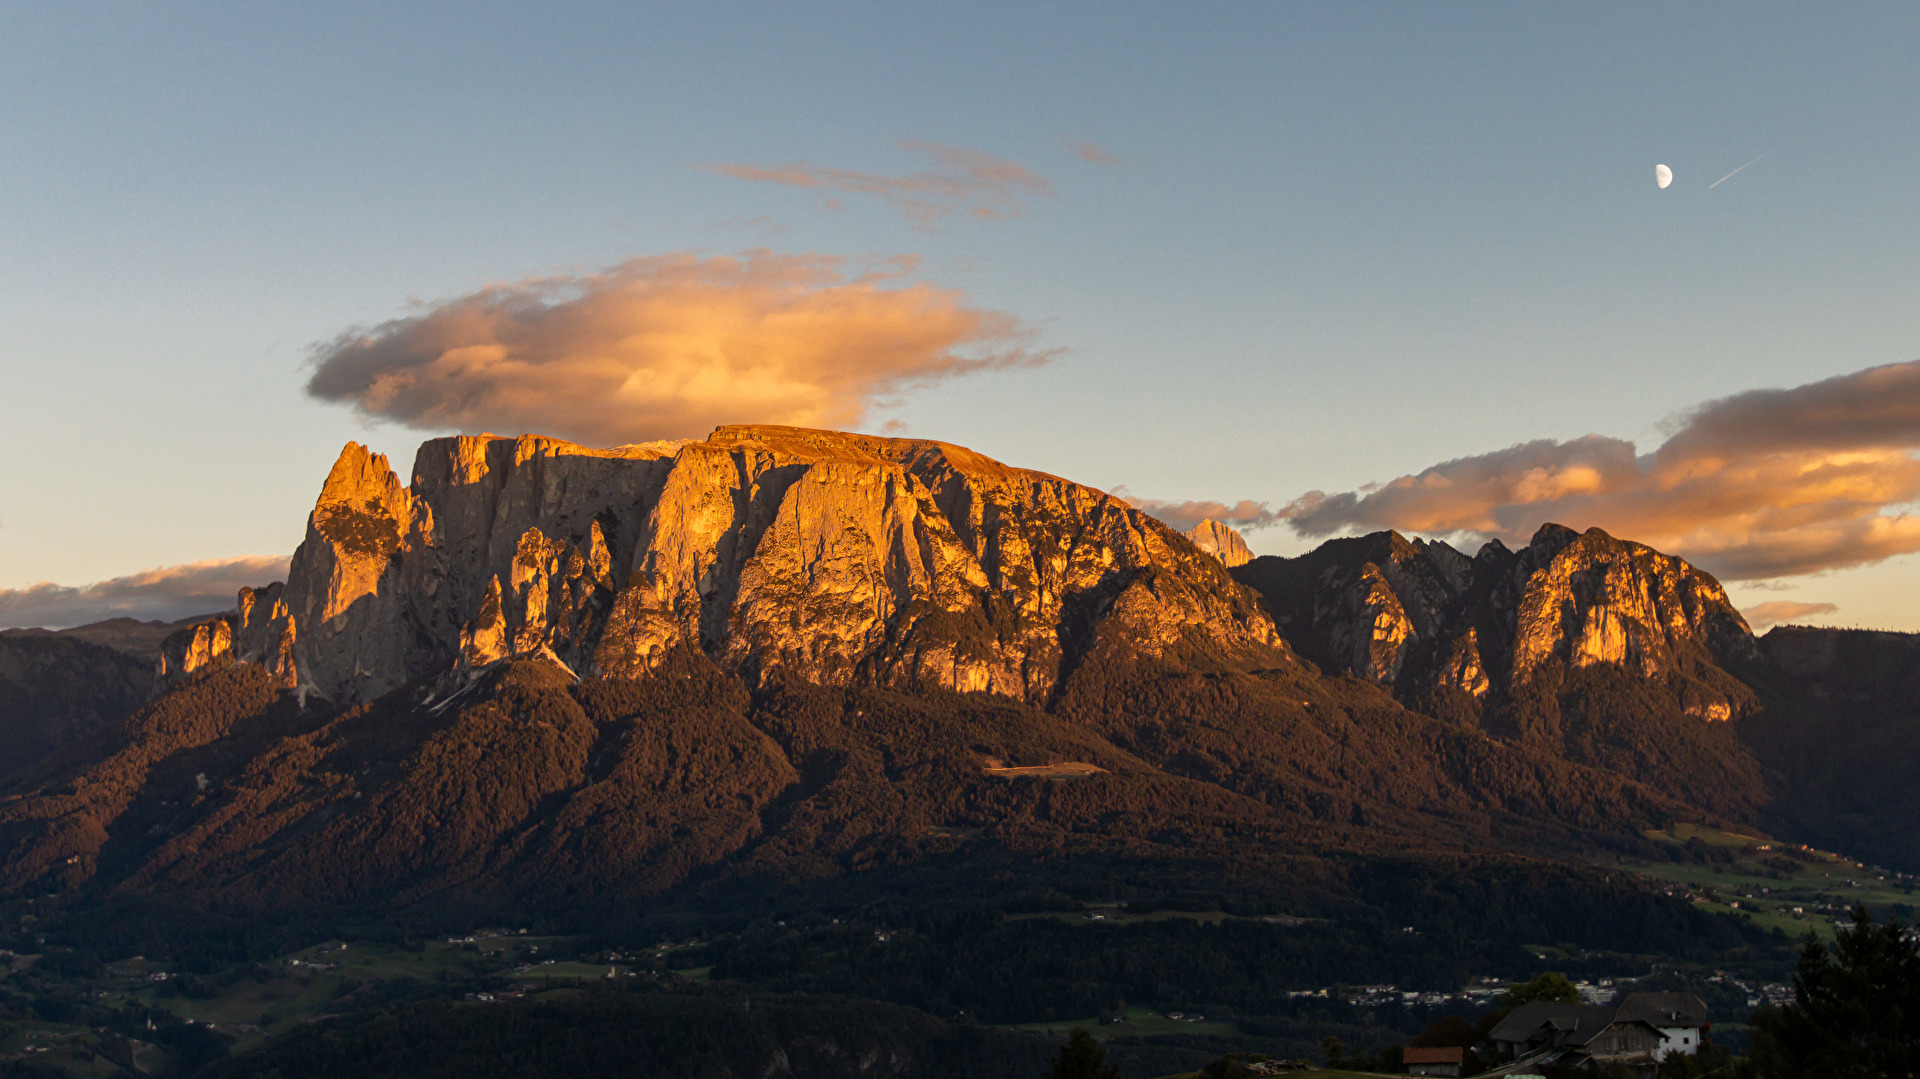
1220,541
1420,616
258,630
776,551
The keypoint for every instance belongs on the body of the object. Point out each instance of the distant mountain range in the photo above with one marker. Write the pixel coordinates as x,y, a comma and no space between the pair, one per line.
539,670
57,687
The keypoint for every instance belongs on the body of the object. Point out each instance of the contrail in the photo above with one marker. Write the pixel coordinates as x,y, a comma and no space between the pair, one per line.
1729,175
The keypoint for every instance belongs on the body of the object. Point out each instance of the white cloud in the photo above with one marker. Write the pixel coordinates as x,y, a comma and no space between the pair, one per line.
1781,611
165,594
962,183
1763,484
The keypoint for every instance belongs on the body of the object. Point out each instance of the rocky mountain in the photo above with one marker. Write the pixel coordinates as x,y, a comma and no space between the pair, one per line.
542,668
1581,645
539,669
776,551
1220,541
1423,618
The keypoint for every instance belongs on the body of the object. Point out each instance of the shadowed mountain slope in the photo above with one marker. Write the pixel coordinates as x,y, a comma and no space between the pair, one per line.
1579,645
1841,732
541,671
779,654
56,689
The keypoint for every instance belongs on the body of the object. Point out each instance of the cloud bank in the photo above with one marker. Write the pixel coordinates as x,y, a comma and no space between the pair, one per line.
1763,484
1182,516
1762,615
166,594
960,183
669,346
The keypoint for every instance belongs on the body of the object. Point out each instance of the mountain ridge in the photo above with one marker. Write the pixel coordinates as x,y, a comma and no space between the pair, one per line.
920,561
780,653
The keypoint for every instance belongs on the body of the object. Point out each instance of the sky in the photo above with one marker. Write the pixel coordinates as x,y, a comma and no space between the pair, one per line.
1335,267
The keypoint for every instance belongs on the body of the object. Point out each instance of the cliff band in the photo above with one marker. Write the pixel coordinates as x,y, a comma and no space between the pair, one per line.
775,551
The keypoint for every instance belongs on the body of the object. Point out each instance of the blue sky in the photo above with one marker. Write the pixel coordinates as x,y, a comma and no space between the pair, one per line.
1341,244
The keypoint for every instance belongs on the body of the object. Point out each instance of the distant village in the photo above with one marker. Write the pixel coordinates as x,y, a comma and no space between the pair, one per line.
1485,992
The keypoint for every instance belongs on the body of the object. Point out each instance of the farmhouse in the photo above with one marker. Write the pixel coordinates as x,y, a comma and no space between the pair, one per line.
1579,1036
1681,1019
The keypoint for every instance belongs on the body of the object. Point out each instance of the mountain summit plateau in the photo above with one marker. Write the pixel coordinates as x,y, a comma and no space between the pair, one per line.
775,551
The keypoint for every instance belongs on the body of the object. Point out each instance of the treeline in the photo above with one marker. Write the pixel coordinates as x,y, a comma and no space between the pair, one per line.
715,1032
528,789
1425,924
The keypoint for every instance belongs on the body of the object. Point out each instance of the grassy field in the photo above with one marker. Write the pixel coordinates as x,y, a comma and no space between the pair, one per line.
1116,914
316,982
1140,1022
1794,889
1308,1074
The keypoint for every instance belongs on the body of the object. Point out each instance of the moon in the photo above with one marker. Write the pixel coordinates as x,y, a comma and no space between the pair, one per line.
1662,176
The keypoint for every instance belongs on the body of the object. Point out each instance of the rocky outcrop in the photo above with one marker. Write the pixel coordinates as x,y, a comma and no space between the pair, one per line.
1421,616
776,551
258,630
1220,541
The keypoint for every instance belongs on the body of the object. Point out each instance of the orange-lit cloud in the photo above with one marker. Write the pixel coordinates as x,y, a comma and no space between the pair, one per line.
961,182
669,346
1769,483
1762,615
1183,516
1091,152
166,594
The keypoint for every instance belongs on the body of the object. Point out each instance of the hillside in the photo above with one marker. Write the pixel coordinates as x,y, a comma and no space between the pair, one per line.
542,670
829,714
57,689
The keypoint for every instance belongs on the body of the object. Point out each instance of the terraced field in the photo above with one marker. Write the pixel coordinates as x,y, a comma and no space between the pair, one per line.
1795,889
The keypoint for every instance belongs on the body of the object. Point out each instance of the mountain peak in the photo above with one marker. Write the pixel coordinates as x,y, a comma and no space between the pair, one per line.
1220,541
823,555
1422,617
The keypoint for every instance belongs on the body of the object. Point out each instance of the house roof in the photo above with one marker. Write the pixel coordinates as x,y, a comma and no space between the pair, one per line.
1571,1024
1665,1009
1452,1054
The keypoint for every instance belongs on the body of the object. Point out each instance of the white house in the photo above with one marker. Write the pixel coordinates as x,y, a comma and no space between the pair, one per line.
1681,1019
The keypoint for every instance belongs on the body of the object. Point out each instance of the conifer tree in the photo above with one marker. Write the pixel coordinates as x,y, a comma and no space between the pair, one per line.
1856,1008
1082,1058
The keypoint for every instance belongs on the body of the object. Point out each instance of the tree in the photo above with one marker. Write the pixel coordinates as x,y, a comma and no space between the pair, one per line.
1551,986
1231,1066
1336,1053
1447,1031
1855,1011
1082,1058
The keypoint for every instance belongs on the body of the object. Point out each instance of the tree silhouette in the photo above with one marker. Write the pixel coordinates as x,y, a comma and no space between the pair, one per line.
1551,986
1855,1010
1082,1058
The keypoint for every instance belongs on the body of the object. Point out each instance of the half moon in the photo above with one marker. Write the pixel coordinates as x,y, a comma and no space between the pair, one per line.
1662,176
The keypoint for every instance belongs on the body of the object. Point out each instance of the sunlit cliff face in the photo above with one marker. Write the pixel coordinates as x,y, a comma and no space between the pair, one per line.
773,551
1769,483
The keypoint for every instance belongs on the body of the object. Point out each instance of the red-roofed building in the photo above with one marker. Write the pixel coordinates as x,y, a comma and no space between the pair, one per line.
1445,1061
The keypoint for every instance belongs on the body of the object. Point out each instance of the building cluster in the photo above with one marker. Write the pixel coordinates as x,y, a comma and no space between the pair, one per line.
1758,993
1633,1035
